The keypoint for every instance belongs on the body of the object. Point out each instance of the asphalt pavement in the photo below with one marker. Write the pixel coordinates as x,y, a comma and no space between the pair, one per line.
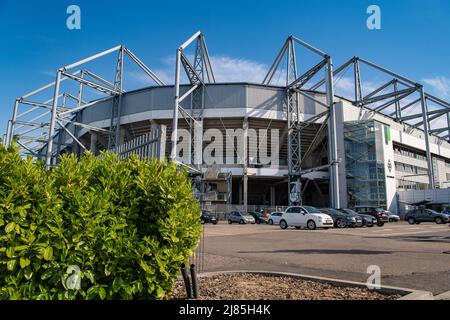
411,256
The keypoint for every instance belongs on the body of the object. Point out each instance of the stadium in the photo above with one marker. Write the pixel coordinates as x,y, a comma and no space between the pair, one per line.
248,145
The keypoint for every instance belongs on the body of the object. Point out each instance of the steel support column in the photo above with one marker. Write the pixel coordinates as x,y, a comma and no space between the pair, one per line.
51,133
174,138
332,139
448,124
427,138
10,133
294,132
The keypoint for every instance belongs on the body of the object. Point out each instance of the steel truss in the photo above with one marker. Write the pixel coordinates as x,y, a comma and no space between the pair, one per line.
403,95
199,72
295,86
38,135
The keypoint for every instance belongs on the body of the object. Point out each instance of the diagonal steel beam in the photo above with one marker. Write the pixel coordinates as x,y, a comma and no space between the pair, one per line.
308,75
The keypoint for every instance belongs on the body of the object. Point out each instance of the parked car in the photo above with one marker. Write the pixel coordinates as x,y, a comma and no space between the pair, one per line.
208,217
393,217
274,218
259,217
304,216
379,213
343,219
368,221
426,215
240,217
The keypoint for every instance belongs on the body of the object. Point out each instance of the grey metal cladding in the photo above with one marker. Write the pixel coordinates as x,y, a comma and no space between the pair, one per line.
217,96
225,96
97,112
266,98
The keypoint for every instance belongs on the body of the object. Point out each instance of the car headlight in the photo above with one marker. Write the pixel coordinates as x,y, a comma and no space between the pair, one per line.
353,219
320,219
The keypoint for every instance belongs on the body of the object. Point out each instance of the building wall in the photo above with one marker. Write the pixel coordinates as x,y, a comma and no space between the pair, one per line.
225,102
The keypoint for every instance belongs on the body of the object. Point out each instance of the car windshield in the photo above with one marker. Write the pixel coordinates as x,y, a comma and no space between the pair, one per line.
329,210
348,211
380,209
312,210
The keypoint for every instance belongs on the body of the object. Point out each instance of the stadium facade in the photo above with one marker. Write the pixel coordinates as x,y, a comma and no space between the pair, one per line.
299,142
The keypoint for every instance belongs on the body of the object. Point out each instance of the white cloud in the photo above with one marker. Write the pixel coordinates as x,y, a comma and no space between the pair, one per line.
439,86
228,69
225,68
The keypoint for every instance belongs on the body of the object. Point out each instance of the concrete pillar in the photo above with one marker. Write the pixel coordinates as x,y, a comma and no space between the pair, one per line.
240,192
245,182
94,138
245,127
123,135
272,196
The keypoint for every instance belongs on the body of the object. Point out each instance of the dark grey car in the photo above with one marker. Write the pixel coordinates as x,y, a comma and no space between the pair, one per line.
343,219
368,221
426,215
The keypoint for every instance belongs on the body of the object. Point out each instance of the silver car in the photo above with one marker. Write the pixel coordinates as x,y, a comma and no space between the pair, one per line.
240,217
274,218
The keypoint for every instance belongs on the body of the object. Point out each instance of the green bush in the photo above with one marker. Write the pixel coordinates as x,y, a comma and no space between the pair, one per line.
93,228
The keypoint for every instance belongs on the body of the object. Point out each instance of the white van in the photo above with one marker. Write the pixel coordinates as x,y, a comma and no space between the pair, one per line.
303,216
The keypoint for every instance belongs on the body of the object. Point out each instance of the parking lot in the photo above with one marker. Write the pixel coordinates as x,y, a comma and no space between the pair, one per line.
412,256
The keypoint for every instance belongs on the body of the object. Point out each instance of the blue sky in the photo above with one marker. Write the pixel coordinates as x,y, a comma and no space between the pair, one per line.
242,36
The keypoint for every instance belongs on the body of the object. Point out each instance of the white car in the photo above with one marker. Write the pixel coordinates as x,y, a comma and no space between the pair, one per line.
304,216
274,218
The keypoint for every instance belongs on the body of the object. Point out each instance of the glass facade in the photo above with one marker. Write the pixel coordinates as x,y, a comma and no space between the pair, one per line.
365,163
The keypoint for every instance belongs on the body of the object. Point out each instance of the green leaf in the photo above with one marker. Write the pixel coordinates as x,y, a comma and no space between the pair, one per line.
90,275
10,227
48,253
117,284
10,252
28,273
11,265
102,293
24,262
92,293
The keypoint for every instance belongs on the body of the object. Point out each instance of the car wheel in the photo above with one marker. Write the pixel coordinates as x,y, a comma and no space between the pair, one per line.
258,222
298,228
340,223
391,220
215,222
241,221
438,220
283,224
411,220
270,222
230,222
380,224
311,225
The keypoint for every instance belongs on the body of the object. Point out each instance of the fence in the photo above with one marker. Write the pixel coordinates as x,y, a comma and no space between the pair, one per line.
148,146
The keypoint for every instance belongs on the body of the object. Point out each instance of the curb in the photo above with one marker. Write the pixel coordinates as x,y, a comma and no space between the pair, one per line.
443,296
407,294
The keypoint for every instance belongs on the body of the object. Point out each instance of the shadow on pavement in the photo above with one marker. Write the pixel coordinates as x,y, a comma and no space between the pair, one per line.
439,239
324,251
